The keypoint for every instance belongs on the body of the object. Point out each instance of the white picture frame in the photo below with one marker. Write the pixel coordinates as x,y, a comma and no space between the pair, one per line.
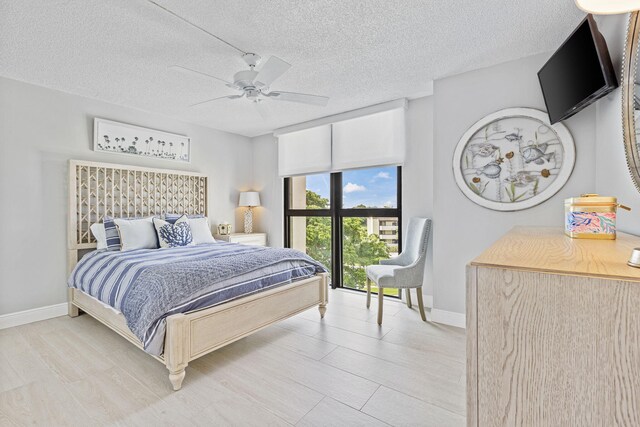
512,186
122,138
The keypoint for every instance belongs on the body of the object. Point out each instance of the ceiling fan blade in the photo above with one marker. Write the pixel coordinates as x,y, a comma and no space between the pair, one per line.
260,107
271,70
192,72
216,99
302,98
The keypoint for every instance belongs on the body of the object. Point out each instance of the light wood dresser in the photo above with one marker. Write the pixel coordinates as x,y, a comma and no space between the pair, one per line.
553,332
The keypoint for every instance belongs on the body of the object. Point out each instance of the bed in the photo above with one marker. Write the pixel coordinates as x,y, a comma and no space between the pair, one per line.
100,189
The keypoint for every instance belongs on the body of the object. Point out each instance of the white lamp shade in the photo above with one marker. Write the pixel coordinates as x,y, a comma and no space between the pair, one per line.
608,7
249,198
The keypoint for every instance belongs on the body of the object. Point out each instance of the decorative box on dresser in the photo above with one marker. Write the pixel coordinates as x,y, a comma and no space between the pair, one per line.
256,239
553,331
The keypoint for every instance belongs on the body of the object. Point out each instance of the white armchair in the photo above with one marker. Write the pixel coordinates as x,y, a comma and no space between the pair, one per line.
406,271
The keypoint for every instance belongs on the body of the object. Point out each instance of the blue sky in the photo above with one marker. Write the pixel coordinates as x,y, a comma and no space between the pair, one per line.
375,187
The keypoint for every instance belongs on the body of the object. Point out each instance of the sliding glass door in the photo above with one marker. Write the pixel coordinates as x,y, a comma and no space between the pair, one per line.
346,220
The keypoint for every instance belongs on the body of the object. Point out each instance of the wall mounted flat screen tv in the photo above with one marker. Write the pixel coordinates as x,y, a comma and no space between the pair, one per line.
578,73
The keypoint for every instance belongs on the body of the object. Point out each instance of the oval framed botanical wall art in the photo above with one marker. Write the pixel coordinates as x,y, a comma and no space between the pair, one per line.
513,159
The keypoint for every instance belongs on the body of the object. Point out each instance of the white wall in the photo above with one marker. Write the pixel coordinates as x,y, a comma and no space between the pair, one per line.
417,174
269,217
462,228
417,177
40,130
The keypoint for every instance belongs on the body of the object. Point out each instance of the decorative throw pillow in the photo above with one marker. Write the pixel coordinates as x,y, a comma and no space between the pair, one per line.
136,233
97,230
173,235
171,218
201,231
111,234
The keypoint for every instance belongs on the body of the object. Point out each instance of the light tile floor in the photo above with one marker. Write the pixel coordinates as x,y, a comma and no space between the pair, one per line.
342,371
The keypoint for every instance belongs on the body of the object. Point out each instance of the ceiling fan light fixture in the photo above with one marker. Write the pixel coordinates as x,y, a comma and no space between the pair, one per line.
252,59
252,94
244,78
608,7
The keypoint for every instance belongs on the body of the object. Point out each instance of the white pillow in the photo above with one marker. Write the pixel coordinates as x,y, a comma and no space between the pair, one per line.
97,230
173,235
200,231
136,234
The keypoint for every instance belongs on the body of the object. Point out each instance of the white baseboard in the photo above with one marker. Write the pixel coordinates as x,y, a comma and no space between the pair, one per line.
428,301
43,313
448,318
34,315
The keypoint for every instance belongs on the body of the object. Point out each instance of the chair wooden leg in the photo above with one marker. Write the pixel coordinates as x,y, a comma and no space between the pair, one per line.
368,292
408,297
421,304
380,303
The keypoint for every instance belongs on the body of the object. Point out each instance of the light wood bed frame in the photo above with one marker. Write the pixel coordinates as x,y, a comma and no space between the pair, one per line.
99,189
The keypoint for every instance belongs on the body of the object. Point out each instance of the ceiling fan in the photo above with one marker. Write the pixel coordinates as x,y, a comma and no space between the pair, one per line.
253,85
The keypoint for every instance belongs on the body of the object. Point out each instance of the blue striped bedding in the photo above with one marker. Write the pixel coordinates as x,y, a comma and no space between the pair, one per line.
147,285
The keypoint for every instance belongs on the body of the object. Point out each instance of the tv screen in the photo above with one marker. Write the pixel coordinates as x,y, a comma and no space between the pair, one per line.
578,73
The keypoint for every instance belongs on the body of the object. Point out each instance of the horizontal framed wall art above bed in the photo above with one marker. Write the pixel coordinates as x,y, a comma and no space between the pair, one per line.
122,138
97,190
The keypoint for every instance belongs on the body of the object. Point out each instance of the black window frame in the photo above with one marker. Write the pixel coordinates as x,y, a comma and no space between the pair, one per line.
336,212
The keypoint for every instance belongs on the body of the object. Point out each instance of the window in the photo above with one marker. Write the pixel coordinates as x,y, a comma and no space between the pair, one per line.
312,235
310,192
346,220
373,188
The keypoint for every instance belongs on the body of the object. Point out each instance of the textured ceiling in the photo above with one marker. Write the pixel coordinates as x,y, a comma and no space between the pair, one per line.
358,53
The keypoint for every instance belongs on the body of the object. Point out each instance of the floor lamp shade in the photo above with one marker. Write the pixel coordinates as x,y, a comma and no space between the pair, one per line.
249,199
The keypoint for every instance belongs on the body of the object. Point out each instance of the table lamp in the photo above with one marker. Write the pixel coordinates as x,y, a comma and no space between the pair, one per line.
249,199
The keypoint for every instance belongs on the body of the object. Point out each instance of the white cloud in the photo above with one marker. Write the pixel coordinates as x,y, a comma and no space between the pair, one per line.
351,187
389,204
383,175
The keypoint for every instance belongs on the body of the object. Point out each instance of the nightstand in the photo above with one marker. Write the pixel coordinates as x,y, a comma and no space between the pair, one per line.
256,239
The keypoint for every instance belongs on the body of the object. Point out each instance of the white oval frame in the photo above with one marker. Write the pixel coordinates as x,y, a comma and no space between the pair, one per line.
569,159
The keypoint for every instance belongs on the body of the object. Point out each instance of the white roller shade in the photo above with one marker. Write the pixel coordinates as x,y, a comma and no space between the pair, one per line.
373,140
305,152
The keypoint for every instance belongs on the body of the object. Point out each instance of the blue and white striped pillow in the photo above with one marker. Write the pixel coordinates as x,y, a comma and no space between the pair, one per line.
111,233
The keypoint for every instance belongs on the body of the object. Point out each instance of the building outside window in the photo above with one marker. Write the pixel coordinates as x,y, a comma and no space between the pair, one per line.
387,230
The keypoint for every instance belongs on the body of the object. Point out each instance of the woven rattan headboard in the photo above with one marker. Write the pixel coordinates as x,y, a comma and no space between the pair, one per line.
99,189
